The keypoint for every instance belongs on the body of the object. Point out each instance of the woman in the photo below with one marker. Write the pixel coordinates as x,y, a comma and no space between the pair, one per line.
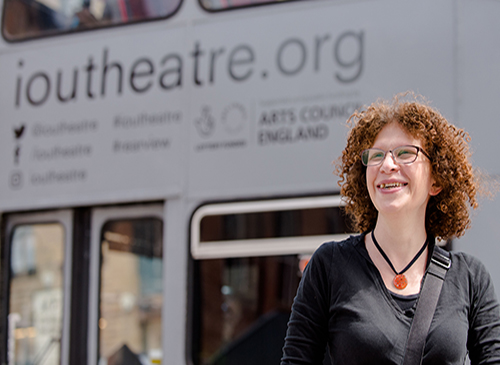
406,179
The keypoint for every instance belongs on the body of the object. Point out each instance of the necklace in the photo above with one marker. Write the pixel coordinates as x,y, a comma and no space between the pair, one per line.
399,281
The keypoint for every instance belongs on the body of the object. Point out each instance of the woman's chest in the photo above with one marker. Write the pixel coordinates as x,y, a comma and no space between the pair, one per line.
366,327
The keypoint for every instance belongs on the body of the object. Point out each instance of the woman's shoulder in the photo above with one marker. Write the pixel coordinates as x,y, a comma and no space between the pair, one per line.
340,249
469,270
334,256
469,273
466,261
345,244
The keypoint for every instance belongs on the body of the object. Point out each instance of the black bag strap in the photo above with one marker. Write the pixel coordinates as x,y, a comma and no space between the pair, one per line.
426,306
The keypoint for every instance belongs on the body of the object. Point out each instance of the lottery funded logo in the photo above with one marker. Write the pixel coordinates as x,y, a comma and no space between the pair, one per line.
222,129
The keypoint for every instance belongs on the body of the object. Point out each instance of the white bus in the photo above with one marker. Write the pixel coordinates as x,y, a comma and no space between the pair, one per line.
167,164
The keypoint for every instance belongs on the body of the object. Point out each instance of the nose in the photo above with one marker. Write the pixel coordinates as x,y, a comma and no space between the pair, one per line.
389,163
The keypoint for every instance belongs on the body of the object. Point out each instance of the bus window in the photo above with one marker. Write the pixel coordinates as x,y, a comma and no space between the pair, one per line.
36,294
217,5
24,19
131,291
249,258
244,308
270,227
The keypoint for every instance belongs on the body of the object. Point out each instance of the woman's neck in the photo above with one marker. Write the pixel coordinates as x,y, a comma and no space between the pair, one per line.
400,238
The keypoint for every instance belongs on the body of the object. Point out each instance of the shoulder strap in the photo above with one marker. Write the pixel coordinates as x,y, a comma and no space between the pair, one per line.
426,306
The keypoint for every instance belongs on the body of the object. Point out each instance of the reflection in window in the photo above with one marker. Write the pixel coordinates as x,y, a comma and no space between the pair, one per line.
214,5
33,18
272,224
131,292
36,294
245,304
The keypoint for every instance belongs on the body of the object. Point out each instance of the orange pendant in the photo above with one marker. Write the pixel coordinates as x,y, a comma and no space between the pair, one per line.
400,281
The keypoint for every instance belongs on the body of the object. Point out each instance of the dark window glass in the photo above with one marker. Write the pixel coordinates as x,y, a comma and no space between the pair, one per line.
244,308
131,291
287,223
36,294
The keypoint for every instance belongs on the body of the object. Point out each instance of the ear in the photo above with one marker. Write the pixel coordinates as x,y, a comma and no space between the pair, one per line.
435,189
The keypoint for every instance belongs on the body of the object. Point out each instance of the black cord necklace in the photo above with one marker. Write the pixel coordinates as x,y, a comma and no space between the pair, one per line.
399,281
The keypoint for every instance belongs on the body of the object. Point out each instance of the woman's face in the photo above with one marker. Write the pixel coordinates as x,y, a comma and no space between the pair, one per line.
399,189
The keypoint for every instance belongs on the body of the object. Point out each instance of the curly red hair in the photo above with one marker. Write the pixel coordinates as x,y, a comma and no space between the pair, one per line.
448,213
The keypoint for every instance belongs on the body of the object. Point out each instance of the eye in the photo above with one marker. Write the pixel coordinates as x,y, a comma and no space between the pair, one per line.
376,155
405,153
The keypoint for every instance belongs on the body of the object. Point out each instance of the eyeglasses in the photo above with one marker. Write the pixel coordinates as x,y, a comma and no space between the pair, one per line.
400,155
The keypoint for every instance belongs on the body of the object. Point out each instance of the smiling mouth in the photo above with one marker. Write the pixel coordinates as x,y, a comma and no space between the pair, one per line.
392,185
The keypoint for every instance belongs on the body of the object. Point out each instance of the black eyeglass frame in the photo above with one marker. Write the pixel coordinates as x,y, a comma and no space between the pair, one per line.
419,149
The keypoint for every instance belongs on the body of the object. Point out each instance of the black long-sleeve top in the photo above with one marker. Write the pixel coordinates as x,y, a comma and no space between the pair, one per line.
342,301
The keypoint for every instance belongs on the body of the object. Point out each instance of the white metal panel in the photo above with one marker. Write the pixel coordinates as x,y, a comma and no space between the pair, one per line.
478,78
245,102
